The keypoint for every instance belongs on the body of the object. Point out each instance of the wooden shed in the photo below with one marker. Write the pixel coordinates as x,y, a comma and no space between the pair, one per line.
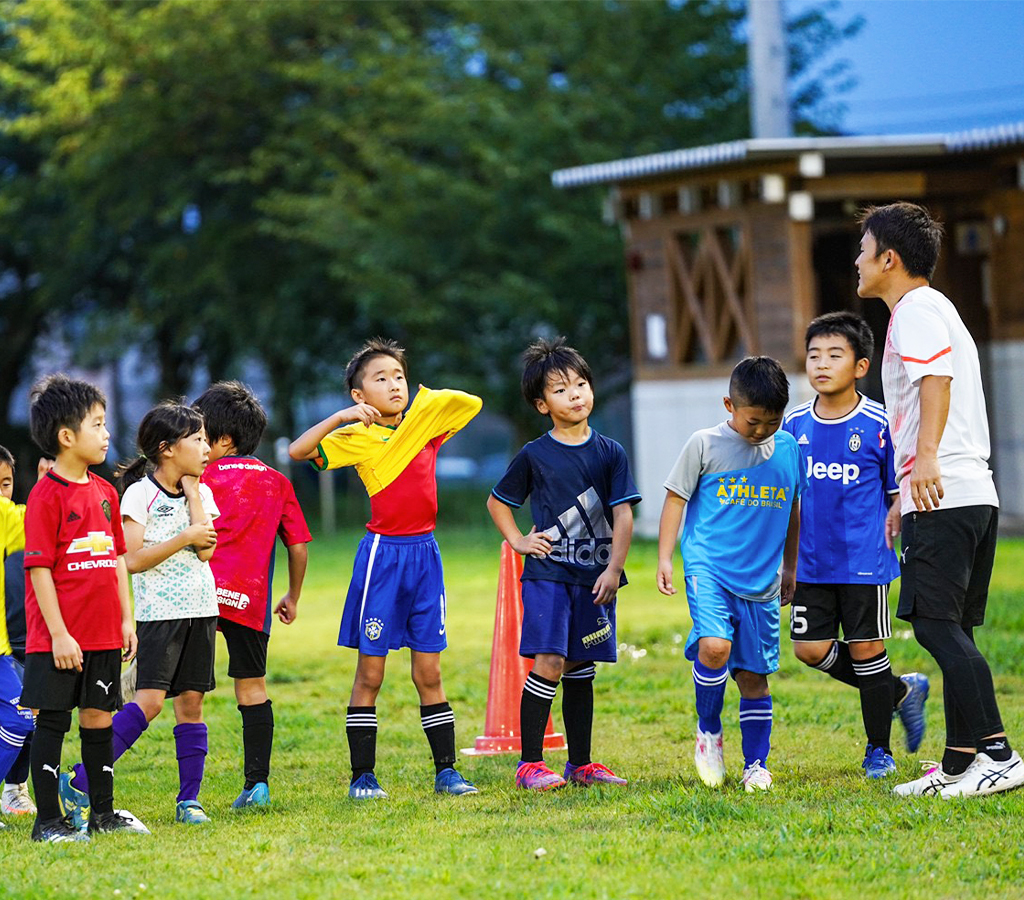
730,249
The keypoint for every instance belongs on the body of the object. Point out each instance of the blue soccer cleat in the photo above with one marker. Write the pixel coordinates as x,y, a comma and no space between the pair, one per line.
190,812
877,763
257,795
911,708
448,781
365,787
73,802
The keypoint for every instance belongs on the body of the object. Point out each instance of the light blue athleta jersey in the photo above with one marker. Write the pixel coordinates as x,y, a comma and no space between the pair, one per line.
851,480
739,499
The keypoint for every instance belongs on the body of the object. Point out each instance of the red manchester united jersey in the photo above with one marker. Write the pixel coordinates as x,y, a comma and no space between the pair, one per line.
257,504
74,530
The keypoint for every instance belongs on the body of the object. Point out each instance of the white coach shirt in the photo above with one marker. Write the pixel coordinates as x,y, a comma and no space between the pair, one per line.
926,336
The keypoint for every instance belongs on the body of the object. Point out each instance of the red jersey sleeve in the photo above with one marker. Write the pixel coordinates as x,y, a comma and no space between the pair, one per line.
42,525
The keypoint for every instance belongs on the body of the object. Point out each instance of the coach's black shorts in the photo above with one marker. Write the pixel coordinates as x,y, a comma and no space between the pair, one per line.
97,686
247,650
177,655
818,610
946,563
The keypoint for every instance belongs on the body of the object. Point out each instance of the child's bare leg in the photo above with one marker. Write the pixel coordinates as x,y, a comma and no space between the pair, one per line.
361,719
436,714
191,743
150,701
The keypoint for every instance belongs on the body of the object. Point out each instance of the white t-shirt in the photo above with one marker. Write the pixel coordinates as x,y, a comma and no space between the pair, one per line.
926,336
182,586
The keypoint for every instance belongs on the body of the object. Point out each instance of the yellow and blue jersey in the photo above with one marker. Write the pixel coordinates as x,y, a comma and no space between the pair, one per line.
12,533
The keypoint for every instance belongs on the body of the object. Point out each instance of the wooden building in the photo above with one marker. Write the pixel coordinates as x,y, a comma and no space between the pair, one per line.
731,249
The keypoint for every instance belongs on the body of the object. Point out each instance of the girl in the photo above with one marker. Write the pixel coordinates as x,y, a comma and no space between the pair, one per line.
168,528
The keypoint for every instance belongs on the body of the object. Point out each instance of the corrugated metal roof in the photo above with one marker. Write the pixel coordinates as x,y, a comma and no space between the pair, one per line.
763,149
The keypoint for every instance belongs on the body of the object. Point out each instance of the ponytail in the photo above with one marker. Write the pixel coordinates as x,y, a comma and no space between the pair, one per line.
128,473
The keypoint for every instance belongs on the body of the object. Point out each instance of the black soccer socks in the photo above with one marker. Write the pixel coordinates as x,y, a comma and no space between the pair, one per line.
258,742
534,709
578,712
876,698
438,722
98,759
51,726
361,730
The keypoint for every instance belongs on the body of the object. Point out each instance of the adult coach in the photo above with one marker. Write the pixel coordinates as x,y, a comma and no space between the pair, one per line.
932,384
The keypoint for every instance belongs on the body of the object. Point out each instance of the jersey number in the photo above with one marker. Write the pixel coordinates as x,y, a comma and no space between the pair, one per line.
797,621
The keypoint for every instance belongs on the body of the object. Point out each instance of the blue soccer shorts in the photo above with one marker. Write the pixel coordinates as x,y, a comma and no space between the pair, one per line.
15,719
396,598
562,619
751,625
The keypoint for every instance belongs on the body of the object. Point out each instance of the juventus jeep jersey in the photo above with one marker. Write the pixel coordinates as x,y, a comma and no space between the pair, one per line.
75,531
572,489
850,482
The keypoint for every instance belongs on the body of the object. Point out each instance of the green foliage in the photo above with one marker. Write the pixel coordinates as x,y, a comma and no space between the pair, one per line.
276,180
824,831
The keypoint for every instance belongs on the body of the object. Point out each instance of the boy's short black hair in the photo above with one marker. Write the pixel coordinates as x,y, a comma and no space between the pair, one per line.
231,409
60,402
544,358
845,324
373,348
759,381
908,229
6,457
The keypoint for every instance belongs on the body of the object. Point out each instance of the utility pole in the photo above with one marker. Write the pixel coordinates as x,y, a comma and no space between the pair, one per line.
769,70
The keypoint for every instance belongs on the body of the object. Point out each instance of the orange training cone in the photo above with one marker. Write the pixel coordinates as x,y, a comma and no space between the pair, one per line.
508,669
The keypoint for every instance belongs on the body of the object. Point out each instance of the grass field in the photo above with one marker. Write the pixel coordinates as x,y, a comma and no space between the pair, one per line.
824,832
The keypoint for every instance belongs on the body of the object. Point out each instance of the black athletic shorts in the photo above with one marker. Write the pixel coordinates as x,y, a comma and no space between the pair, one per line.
97,686
247,650
177,655
818,610
946,563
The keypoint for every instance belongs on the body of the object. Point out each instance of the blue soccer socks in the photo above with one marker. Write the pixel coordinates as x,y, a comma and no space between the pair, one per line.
756,729
191,742
438,723
709,686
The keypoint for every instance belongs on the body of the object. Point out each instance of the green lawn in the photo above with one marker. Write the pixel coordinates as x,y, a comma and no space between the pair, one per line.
824,831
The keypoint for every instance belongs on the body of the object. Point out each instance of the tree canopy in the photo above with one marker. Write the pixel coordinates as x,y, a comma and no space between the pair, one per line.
225,181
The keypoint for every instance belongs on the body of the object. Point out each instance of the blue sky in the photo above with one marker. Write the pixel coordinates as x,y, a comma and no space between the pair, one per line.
932,65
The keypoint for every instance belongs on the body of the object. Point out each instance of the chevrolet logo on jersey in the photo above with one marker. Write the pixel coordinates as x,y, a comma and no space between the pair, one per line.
96,543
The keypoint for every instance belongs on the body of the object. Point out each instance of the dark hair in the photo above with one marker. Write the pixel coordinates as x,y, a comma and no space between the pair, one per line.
373,348
759,381
6,457
60,402
908,229
542,359
845,324
231,409
164,425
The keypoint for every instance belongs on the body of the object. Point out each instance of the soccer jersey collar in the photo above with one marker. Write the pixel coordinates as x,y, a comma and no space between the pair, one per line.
853,413
164,490
555,440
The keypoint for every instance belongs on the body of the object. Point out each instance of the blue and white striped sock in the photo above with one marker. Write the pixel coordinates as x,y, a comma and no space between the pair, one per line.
756,729
709,687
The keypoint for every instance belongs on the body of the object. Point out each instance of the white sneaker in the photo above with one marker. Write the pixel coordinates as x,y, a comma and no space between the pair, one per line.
986,776
933,781
16,801
756,777
709,757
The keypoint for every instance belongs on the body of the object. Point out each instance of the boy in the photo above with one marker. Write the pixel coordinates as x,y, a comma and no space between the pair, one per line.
846,561
581,495
932,382
396,597
77,609
17,721
257,504
740,484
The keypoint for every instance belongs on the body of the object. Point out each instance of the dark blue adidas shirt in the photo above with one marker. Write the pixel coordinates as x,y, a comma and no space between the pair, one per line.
572,489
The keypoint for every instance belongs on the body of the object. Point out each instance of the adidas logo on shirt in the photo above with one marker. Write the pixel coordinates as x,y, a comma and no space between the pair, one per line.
74,517
588,536
803,439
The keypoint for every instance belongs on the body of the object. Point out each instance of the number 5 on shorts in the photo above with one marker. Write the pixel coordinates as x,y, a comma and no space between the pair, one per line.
797,620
